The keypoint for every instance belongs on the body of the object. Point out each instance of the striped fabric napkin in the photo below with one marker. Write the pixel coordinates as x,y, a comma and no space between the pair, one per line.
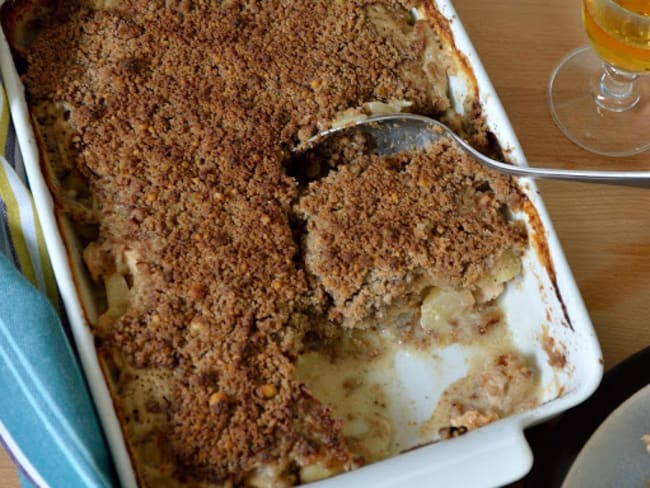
21,238
47,421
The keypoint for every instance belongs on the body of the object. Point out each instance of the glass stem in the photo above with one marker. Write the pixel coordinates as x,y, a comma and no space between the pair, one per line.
617,90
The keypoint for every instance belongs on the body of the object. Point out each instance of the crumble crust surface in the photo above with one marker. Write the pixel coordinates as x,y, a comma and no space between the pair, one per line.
383,227
181,114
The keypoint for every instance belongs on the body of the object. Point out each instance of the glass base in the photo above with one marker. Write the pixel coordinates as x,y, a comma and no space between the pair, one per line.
575,100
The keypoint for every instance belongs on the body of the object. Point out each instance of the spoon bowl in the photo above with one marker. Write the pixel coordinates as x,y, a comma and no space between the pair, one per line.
395,133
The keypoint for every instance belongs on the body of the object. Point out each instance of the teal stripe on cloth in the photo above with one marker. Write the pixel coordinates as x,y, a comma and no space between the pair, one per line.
25,481
46,407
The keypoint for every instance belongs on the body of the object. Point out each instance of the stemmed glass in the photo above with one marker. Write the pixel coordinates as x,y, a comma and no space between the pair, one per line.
598,95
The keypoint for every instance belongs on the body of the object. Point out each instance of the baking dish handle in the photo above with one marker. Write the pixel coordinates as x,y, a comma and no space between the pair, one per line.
502,457
492,456
489,457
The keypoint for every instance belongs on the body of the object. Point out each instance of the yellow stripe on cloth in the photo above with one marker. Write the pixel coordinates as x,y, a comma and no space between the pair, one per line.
4,120
15,227
25,232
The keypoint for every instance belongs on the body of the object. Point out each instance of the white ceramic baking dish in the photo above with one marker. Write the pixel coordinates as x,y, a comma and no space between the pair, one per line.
544,302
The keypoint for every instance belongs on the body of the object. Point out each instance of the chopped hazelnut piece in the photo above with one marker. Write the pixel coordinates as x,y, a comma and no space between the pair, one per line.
268,390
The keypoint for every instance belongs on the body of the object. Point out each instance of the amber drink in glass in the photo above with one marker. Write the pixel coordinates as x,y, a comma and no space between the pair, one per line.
598,95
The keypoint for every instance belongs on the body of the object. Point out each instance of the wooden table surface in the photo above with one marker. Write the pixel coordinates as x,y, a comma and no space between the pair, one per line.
604,231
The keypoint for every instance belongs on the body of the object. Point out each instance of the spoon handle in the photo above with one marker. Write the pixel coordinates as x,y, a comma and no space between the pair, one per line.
640,179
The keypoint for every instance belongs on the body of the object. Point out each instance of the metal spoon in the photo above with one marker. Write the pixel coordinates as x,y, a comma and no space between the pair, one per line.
395,133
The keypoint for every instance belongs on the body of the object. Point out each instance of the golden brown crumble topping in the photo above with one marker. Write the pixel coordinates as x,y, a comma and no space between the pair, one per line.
381,229
168,126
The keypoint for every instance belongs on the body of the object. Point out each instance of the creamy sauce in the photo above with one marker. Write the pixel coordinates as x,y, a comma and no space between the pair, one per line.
495,387
397,388
360,401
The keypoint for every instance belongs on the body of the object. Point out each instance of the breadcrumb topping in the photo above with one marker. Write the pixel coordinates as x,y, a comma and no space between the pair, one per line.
178,117
380,229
